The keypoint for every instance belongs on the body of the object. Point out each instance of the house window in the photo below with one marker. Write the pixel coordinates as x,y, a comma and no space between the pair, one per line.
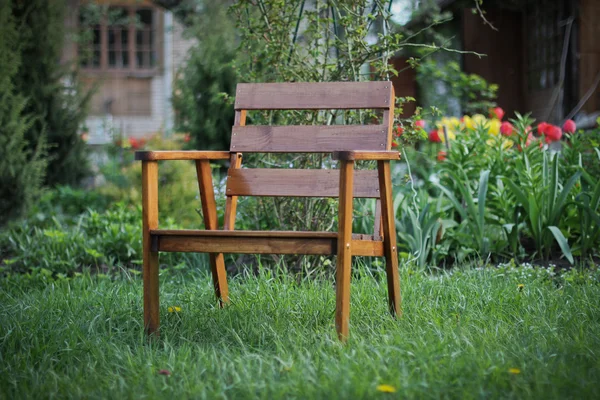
118,38
544,43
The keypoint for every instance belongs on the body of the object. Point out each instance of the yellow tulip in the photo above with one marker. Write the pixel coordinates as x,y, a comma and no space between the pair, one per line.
494,127
507,144
468,121
478,120
455,123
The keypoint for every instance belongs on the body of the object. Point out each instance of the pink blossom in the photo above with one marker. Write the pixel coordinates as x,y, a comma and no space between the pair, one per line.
497,112
569,126
507,128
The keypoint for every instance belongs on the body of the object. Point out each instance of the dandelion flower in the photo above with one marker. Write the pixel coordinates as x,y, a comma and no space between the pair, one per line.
386,389
520,286
174,309
514,371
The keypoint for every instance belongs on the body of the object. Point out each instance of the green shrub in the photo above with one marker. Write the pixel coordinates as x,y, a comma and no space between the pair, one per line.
54,96
67,202
207,79
178,195
102,241
22,162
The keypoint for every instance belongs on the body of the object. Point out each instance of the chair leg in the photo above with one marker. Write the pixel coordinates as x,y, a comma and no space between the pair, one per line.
389,238
209,211
219,277
150,257
151,299
344,250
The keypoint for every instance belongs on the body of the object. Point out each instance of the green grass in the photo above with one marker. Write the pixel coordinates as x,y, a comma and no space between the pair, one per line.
458,338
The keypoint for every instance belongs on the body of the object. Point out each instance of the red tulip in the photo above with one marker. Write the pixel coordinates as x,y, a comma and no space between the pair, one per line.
543,127
497,113
420,123
394,144
441,156
552,134
569,126
434,136
507,128
399,131
134,143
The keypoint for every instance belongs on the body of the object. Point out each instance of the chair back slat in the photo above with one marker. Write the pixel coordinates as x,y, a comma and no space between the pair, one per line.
298,182
313,96
308,138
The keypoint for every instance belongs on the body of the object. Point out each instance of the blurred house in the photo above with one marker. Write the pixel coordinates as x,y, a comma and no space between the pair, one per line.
544,55
130,50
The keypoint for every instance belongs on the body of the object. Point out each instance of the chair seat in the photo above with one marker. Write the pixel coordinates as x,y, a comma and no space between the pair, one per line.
261,242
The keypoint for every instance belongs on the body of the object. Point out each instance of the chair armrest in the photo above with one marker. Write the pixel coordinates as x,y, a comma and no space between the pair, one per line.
181,155
352,155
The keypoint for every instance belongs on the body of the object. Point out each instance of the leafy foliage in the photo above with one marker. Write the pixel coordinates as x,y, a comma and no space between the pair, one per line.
508,193
473,92
54,97
208,79
22,162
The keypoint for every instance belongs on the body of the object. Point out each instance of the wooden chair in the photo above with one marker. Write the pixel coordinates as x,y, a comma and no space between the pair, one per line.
347,143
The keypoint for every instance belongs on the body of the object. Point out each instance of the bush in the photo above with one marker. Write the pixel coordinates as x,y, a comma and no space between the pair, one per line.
54,96
101,241
22,162
178,195
66,203
206,81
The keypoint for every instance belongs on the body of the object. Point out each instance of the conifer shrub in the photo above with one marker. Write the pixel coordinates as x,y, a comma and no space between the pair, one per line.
22,162
57,101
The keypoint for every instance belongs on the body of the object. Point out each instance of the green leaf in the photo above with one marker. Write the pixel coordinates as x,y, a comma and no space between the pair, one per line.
562,242
519,194
556,211
483,187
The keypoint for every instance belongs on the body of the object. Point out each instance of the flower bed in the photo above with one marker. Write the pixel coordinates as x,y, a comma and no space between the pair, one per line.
488,187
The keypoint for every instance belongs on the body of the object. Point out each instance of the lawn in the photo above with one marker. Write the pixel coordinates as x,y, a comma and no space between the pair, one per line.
474,333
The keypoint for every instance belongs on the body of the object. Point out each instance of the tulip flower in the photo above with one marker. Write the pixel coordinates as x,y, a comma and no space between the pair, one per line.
553,133
133,142
399,131
494,127
507,128
497,113
569,126
434,136
477,120
441,156
543,127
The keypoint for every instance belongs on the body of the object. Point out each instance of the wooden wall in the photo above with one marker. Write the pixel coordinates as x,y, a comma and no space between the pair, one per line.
589,51
405,84
503,64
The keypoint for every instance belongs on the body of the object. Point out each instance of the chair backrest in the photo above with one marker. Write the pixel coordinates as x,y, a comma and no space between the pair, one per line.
307,138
